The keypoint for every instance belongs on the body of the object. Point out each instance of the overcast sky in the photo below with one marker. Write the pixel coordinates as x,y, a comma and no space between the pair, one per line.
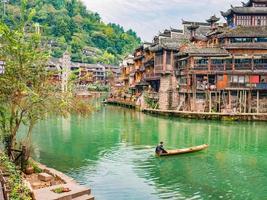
148,17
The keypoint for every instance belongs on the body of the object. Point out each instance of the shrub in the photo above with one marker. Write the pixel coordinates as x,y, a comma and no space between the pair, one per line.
18,191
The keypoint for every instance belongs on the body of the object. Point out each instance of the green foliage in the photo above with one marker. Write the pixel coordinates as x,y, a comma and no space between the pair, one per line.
69,24
98,88
18,190
27,93
151,102
35,166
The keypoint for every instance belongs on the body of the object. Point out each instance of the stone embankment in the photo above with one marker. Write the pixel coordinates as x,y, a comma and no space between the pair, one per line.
76,191
194,115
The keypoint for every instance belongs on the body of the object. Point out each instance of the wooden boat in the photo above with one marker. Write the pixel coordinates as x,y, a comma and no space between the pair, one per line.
186,150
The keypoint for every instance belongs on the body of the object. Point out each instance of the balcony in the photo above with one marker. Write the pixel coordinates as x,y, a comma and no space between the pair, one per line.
229,67
217,67
260,67
151,76
243,66
261,86
201,67
160,69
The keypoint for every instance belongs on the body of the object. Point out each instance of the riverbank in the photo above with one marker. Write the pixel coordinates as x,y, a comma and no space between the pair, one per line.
193,115
42,184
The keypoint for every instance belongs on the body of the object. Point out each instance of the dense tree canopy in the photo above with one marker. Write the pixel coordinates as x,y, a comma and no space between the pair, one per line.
67,24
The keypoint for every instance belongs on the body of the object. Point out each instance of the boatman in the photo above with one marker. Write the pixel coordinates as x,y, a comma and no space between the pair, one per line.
160,149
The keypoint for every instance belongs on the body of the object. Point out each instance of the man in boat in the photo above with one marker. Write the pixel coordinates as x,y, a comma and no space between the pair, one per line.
160,149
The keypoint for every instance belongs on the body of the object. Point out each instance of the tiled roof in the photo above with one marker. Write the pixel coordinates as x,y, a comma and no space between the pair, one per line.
168,44
245,10
262,46
241,31
196,51
184,22
213,19
249,3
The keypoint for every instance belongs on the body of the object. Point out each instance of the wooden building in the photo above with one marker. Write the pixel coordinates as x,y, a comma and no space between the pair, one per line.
252,13
225,71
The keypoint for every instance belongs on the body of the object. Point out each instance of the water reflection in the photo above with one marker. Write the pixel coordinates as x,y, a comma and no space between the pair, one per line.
113,151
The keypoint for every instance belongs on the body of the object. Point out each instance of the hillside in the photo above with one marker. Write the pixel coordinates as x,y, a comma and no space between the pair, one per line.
68,24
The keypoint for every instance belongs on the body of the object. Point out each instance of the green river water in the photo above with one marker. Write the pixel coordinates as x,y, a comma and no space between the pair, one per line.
112,152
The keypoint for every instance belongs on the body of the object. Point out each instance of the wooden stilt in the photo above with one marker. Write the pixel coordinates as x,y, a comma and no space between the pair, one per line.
219,101
229,99
240,101
258,97
245,104
249,101
210,102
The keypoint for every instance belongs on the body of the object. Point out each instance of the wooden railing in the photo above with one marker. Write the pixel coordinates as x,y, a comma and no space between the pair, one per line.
243,66
201,67
229,67
159,68
260,67
217,67
261,86
152,76
3,186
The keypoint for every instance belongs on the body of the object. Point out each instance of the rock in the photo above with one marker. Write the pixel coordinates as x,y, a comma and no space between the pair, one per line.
45,177
29,170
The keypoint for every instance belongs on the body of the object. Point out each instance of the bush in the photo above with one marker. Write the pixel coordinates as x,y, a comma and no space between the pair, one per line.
18,191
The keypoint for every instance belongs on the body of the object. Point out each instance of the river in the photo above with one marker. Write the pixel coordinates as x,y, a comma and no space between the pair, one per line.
112,152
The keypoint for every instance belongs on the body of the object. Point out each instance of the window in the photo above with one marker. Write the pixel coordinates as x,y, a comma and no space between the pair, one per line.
243,61
217,62
263,39
240,40
182,64
239,79
260,61
260,20
201,61
243,20
168,61
158,58
183,80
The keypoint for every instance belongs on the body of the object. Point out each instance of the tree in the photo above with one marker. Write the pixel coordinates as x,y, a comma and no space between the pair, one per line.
26,92
67,18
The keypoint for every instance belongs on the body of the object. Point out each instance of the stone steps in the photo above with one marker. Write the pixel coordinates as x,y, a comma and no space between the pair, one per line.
85,197
76,192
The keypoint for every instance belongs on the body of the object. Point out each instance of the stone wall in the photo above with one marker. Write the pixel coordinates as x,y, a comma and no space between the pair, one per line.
168,95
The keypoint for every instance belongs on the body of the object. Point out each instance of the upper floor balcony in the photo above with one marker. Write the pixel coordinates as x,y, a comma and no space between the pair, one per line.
151,76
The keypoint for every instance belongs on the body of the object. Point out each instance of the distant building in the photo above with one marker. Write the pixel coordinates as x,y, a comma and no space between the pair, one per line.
252,13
